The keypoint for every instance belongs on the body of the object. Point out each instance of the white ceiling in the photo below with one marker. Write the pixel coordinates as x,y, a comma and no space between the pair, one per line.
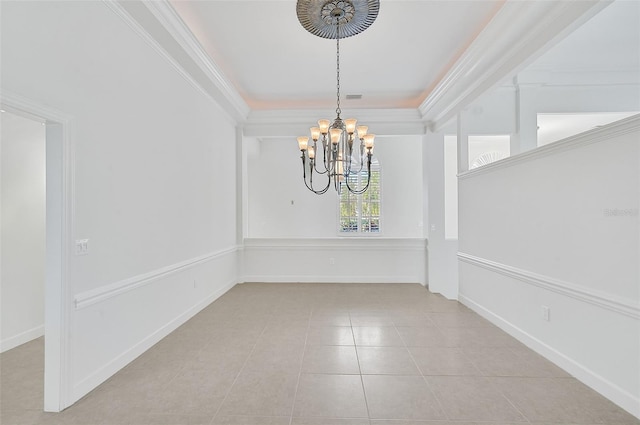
274,63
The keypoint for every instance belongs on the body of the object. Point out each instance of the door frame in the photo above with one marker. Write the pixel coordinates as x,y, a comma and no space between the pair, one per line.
59,227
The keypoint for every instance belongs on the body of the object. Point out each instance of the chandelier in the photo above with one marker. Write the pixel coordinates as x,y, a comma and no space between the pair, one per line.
337,159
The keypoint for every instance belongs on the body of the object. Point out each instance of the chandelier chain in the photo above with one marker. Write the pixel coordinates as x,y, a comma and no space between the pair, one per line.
338,110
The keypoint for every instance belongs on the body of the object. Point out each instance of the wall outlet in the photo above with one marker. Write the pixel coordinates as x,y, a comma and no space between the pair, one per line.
546,313
82,246
195,284
332,261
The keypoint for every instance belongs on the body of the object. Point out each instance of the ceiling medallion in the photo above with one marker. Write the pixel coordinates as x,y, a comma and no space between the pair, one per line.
353,16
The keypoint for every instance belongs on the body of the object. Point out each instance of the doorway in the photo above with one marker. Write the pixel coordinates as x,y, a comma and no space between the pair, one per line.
23,229
56,296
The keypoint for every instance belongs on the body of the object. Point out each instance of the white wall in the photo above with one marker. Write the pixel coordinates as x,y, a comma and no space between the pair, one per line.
153,177
279,205
558,227
335,260
23,230
442,261
290,228
275,180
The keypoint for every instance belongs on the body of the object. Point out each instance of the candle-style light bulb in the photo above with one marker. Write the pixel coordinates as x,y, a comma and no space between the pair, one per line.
315,133
350,124
302,142
335,135
324,126
368,141
362,131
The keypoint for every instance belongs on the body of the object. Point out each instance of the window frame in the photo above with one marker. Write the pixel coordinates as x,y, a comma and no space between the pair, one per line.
375,167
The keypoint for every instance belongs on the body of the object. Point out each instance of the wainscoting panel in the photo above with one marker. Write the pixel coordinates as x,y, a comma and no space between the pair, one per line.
548,243
366,259
118,322
589,337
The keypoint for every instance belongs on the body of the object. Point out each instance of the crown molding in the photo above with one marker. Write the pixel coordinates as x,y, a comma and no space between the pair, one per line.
517,34
223,91
292,123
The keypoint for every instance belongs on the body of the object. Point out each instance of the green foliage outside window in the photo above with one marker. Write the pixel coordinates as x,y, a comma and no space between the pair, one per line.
361,213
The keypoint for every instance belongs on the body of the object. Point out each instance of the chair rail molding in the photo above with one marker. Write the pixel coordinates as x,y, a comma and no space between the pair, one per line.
87,298
598,298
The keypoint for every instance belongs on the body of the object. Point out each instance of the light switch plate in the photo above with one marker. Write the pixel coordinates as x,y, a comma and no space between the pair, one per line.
82,246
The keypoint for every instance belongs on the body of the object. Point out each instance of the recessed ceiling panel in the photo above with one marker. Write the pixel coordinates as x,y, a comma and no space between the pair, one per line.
275,63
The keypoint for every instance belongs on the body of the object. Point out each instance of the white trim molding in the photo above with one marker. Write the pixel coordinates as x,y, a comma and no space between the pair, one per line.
106,371
22,338
600,134
60,226
598,298
314,244
169,296
292,123
601,384
513,38
342,260
171,21
87,298
135,23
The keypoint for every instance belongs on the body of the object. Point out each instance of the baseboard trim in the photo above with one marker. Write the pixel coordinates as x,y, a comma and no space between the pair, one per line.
22,338
331,279
605,387
87,298
105,372
597,298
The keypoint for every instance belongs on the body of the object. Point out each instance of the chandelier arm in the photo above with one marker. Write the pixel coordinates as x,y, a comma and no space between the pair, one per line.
358,191
315,163
324,156
361,158
321,191
310,184
315,166
359,169
335,158
304,168
364,189
347,171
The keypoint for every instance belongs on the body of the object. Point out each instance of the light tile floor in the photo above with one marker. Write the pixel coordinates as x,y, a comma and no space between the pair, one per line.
321,354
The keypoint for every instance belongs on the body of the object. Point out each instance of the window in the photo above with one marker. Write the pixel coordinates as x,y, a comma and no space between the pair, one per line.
361,213
485,149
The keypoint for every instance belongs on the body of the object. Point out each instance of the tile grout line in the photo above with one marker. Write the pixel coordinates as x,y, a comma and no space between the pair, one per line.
355,348
508,400
424,378
304,352
215,415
